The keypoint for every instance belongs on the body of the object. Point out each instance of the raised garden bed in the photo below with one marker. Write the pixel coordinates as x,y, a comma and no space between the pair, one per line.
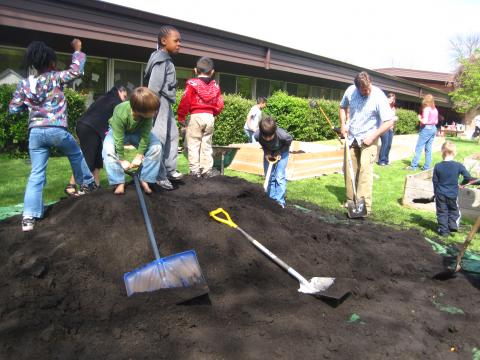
306,160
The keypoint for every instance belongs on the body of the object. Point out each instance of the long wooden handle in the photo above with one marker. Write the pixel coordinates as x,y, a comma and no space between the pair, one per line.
470,236
330,123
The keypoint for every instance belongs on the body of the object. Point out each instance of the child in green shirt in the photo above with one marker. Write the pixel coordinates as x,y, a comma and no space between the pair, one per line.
131,123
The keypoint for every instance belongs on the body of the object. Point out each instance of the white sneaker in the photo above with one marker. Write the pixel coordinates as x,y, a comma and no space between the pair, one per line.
165,184
175,176
28,223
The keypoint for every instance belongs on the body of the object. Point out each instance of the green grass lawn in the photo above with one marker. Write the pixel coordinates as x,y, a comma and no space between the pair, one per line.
327,192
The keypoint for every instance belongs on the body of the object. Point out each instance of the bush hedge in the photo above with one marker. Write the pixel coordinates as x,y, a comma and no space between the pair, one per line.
292,113
14,128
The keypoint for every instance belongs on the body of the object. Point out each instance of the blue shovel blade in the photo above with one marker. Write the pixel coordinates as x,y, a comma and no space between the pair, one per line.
174,271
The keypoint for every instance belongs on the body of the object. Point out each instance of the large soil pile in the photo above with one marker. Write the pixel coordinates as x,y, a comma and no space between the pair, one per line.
62,293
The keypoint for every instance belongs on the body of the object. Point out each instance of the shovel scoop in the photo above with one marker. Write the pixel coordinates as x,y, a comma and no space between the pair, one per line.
356,209
334,289
181,270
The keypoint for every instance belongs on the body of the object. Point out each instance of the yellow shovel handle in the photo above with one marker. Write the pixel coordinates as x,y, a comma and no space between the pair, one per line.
227,220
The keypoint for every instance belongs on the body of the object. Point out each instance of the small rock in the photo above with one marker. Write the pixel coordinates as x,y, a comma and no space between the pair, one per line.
47,334
117,333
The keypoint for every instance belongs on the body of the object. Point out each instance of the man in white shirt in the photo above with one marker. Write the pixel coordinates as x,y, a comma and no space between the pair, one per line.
370,116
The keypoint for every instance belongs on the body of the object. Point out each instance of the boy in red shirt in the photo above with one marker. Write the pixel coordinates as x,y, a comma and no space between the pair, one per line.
203,100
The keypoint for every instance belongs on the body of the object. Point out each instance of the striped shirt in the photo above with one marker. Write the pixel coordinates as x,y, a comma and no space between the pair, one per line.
366,112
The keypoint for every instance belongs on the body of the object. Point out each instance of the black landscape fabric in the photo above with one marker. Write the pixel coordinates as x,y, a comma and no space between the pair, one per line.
62,294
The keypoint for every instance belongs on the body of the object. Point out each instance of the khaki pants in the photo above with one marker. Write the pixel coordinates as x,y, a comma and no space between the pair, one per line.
199,142
363,159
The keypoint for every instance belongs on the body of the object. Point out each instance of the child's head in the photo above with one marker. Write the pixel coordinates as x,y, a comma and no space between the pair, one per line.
144,102
169,39
261,102
448,149
205,66
391,99
39,56
267,127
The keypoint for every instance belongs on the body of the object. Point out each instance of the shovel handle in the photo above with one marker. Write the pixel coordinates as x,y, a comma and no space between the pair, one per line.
258,245
227,220
470,236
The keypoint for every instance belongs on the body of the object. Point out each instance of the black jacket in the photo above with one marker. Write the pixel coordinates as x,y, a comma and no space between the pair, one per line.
279,144
98,114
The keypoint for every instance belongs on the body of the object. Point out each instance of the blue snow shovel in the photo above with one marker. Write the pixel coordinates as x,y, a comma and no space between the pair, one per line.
180,270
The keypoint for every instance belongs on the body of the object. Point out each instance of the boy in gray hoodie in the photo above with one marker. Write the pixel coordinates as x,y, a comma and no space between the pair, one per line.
161,78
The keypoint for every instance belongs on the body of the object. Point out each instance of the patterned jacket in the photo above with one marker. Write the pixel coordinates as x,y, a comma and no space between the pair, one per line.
43,95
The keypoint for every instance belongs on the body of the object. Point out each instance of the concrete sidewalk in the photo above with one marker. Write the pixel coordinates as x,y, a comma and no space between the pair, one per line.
403,147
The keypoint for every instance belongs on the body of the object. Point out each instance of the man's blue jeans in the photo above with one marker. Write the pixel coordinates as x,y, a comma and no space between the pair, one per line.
277,186
40,141
387,138
425,140
151,162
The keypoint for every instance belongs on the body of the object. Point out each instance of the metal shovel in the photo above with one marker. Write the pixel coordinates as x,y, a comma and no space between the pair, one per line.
335,289
450,273
180,270
356,208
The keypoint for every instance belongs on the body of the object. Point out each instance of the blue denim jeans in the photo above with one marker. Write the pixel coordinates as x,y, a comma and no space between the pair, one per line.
40,141
387,138
151,161
249,134
277,187
425,141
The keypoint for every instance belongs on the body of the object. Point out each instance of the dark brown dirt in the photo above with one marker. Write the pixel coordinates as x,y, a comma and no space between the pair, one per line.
62,294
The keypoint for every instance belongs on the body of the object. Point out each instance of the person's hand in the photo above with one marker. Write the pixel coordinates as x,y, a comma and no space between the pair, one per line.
272,158
137,161
76,44
368,140
125,164
343,131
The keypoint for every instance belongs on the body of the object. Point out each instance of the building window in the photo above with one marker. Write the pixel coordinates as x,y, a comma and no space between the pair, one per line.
276,85
244,86
128,74
292,89
263,88
10,65
94,80
315,91
228,84
183,74
302,90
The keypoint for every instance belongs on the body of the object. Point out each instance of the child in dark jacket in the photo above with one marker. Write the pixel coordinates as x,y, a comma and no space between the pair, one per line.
203,100
42,94
445,186
275,143
91,130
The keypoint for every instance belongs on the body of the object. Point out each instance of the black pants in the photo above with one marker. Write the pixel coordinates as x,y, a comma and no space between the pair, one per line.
91,144
448,214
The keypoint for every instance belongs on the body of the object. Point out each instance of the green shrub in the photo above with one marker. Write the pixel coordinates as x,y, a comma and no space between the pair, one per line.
14,128
407,122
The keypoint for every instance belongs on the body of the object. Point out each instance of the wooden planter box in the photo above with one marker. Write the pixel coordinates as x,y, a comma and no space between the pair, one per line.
420,186
472,163
306,160
469,202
